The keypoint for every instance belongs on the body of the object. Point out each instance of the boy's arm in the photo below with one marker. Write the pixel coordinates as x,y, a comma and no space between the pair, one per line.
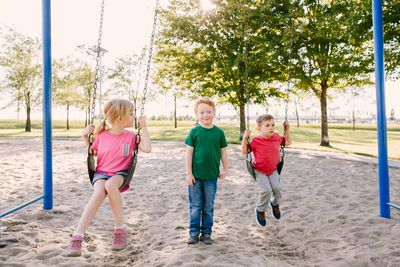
225,163
190,180
145,143
244,141
287,134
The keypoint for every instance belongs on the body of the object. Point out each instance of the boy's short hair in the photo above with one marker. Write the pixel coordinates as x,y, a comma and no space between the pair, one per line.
263,117
204,100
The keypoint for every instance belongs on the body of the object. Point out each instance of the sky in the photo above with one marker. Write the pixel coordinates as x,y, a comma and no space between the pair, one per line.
127,28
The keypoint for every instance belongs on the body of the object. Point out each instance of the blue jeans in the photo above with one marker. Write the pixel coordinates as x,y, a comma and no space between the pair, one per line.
201,199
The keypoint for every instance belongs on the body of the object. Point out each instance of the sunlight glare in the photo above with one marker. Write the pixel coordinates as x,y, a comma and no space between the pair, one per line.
206,5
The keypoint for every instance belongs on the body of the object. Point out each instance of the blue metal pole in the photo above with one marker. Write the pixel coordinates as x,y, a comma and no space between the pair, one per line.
22,206
47,145
384,197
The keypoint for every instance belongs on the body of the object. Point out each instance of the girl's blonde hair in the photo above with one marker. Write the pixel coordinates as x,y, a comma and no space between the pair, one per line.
112,110
204,100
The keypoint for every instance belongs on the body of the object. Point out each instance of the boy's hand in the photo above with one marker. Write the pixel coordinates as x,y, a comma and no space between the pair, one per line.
223,175
88,130
286,125
142,122
190,180
246,134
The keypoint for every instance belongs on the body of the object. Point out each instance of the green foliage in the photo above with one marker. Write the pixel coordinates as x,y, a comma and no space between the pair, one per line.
65,84
123,76
84,77
19,59
391,27
203,53
332,48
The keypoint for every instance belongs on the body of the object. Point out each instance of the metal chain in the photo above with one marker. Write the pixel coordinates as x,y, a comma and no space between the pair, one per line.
290,60
149,60
246,64
96,76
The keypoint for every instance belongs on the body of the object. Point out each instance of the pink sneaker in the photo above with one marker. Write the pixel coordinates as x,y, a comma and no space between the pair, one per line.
119,241
75,247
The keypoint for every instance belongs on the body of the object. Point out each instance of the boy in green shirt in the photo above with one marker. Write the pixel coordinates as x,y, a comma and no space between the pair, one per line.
206,147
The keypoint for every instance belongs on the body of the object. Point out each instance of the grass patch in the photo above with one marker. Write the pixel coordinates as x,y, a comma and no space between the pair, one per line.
342,138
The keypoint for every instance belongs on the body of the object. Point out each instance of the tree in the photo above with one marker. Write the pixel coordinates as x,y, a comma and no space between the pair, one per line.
392,115
65,84
332,49
298,98
19,56
354,95
203,54
123,76
391,27
86,79
84,76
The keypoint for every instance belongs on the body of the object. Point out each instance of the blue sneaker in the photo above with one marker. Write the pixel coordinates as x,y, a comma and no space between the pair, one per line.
193,239
206,239
260,216
275,210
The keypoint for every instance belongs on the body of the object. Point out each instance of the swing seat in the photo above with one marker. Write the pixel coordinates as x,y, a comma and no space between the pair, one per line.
249,165
91,166
249,160
128,178
279,166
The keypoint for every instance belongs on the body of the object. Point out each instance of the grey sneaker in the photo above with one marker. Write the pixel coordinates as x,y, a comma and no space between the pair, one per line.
206,239
193,239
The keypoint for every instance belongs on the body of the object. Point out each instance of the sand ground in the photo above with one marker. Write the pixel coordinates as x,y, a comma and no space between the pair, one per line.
330,212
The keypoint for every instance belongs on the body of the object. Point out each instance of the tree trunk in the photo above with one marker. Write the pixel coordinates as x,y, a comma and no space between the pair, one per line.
354,121
18,110
324,116
89,111
242,117
297,117
86,119
28,113
176,123
67,116
28,119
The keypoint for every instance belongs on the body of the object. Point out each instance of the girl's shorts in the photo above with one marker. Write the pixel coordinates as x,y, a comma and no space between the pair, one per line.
99,175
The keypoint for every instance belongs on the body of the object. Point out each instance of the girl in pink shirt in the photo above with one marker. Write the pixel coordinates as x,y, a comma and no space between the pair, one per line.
265,148
114,146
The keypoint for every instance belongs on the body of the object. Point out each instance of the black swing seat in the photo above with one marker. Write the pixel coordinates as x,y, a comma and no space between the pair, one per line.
249,160
128,178
249,165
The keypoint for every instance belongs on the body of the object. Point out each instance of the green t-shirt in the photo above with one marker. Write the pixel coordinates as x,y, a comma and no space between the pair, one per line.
207,144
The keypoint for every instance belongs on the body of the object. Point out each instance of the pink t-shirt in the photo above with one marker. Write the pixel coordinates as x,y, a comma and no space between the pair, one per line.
114,152
266,153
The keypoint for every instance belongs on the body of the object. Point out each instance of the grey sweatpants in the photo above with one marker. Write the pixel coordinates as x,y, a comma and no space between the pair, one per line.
268,185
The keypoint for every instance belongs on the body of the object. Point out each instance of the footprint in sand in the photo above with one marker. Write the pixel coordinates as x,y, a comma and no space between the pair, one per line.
92,248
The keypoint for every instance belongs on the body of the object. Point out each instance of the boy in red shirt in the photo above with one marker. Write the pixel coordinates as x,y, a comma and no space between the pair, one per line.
265,148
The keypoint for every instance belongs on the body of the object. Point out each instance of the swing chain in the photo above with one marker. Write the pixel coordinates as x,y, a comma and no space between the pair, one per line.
290,60
97,70
246,62
153,33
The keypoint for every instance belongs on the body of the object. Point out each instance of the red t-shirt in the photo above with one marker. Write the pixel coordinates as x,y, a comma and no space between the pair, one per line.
266,153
